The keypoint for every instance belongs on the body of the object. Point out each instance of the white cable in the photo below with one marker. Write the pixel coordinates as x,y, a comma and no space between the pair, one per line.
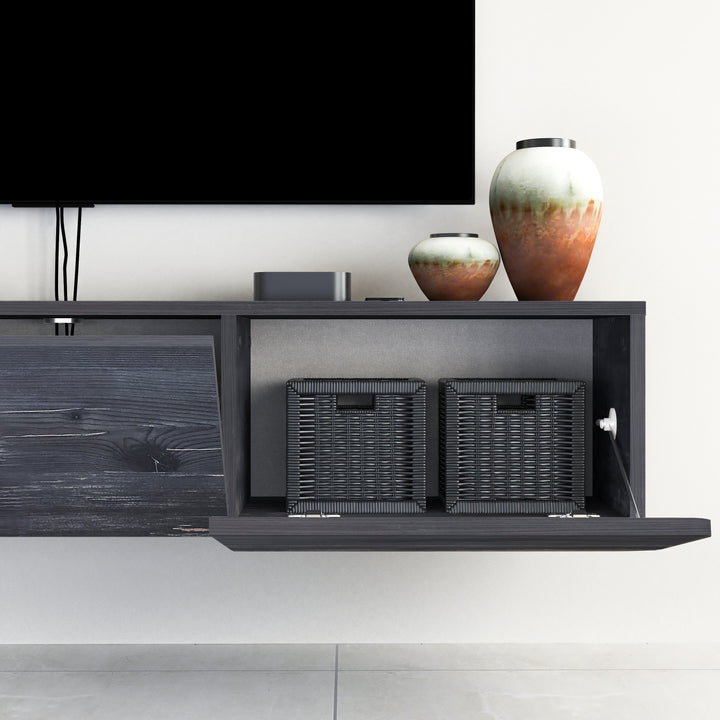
609,424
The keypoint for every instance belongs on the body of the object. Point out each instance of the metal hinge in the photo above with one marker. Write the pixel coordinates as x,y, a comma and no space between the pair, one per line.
313,515
575,515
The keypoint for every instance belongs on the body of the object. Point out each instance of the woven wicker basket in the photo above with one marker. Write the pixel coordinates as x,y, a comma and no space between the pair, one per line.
356,445
512,446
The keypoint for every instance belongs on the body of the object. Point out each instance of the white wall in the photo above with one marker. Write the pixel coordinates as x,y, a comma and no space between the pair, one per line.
634,83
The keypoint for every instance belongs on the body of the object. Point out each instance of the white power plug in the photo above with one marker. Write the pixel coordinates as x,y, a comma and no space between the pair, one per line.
609,424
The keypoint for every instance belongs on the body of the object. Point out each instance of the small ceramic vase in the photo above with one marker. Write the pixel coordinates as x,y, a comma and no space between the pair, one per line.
545,204
454,266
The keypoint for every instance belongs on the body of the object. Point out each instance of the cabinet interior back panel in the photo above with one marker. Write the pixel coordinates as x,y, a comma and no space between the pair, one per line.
426,349
109,435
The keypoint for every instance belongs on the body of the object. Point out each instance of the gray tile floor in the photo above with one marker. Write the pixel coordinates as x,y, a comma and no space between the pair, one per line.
350,682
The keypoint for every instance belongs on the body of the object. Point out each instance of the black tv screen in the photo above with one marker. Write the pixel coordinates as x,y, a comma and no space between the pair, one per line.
287,103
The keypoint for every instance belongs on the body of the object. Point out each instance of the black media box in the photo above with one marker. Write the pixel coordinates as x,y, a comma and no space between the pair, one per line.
301,286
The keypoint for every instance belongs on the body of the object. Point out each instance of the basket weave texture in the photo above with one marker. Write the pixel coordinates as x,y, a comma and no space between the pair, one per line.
512,446
356,459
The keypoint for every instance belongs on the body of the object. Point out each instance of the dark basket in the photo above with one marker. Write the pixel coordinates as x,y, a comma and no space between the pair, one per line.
512,446
356,446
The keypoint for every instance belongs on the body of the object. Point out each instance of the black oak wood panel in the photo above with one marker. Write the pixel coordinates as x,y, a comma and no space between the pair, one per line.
109,435
611,388
636,467
327,309
619,383
116,504
235,409
272,532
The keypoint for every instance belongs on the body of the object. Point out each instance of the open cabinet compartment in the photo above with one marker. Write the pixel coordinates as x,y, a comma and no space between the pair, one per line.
602,344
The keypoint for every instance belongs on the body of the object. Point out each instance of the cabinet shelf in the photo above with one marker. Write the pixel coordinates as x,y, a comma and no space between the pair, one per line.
265,526
259,345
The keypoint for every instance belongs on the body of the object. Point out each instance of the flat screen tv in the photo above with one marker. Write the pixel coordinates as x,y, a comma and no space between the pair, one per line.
362,102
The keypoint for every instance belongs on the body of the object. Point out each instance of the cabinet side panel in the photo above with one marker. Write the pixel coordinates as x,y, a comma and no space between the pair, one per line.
637,417
235,409
618,382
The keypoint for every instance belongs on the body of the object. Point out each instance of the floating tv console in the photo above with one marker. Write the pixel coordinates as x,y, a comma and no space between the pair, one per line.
259,345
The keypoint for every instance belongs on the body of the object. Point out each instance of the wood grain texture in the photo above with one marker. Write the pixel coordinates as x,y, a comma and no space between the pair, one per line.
636,468
327,309
110,503
235,408
446,532
108,435
619,383
611,388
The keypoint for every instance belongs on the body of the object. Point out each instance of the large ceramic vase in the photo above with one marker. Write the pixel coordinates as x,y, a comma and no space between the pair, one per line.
545,204
454,266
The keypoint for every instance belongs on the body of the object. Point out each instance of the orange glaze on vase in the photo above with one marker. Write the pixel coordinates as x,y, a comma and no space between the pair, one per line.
546,255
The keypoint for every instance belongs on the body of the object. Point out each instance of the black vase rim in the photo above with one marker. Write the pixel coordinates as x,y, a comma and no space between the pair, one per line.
545,142
454,235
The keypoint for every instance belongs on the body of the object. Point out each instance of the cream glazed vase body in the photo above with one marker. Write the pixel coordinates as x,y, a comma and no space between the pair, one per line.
454,266
545,203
